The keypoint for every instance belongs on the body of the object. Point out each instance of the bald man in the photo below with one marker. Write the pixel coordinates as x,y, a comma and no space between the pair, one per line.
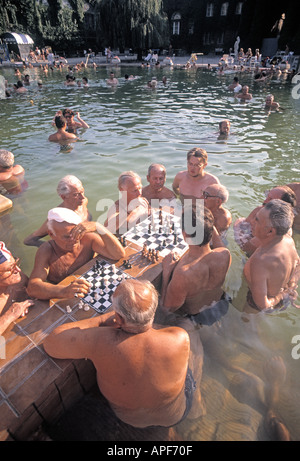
214,196
142,368
156,190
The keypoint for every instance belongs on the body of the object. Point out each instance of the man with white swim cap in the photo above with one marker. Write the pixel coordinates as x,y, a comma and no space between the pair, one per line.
13,302
63,254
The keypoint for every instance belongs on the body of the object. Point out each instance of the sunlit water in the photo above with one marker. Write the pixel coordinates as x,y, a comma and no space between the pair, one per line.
131,127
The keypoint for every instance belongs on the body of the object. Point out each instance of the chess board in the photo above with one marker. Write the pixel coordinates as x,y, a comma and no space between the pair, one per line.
161,235
105,278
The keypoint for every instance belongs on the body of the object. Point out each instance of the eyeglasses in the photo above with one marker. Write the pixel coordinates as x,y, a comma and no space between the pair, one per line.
207,195
12,267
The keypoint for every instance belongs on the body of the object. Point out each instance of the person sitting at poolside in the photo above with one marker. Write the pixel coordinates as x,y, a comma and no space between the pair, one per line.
13,282
71,191
215,196
156,190
112,80
243,227
142,368
63,255
192,285
272,271
131,208
224,129
11,176
244,95
191,183
270,104
61,135
73,125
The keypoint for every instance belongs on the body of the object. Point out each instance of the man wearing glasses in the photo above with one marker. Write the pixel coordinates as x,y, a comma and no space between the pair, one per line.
191,183
214,197
13,282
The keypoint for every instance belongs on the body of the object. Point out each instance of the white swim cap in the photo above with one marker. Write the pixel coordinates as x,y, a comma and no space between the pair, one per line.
61,214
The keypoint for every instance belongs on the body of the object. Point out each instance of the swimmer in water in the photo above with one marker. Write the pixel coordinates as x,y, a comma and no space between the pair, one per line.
61,135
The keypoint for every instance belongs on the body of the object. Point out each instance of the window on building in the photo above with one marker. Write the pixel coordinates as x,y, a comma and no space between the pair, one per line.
176,18
220,39
209,10
207,38
191,27
224,9
239,8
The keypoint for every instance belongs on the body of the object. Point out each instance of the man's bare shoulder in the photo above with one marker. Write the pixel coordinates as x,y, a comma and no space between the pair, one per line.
181,174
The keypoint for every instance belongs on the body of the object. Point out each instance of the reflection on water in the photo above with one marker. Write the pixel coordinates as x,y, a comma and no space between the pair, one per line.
131,127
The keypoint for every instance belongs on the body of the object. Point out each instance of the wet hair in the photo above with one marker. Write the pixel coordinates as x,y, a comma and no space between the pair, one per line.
130,301
197,152
281,215
124,177
68,112
289,196
65,184
60,121
199,219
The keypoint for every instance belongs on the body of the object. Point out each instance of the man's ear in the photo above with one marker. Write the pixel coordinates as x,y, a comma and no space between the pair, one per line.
119,320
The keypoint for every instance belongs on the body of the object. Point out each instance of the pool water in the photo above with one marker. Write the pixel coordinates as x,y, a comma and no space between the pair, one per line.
132,127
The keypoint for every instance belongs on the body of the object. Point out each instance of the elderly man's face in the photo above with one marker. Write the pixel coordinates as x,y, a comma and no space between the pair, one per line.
157,179
62,236
262,224
133,187
76,196
275,193
10,272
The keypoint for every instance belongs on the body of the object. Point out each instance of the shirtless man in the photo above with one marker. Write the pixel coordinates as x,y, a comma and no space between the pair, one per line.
60,257
191,183
245,95
156,190
71,191
142,368
11,176
271,270
61,135
131,208
191,284
224,129
243,228
13,282
270,104
112,80
214,198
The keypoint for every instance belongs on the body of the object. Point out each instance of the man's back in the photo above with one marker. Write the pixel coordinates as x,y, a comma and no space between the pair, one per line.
142,375
277,265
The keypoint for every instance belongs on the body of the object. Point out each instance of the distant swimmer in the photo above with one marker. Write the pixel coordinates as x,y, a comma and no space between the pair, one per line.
73,125
112,80
224,129
244,95
61,134
270,103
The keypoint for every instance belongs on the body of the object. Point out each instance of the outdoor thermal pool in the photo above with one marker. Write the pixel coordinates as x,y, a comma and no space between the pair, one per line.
132,127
